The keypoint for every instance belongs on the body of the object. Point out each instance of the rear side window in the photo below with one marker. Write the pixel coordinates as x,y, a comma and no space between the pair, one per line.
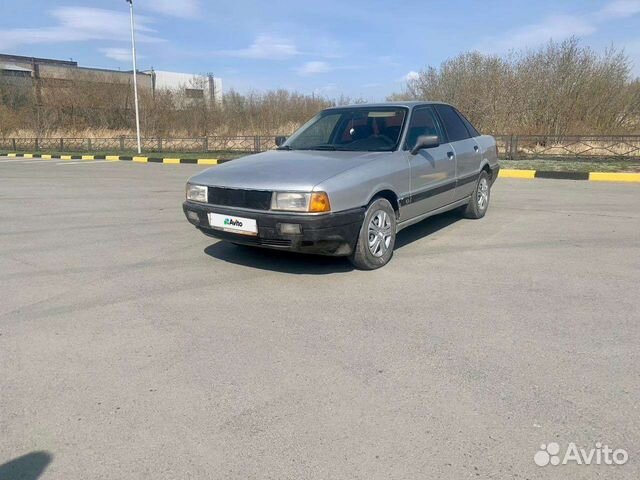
467,123
453,124
423,122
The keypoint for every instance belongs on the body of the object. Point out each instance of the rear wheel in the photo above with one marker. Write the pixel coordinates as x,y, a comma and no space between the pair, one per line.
480,197
377,237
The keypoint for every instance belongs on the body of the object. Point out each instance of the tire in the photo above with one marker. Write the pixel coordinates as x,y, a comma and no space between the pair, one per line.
480,197
375,251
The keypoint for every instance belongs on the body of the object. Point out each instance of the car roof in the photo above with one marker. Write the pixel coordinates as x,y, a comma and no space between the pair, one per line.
406,104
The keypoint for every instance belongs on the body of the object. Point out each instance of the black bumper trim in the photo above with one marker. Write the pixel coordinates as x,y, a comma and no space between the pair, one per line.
326,234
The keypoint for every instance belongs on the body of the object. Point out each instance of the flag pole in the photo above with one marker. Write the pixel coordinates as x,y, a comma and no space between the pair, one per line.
135,77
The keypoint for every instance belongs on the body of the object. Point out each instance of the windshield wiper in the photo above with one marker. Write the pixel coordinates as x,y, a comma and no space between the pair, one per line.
346,149
284,147
321,147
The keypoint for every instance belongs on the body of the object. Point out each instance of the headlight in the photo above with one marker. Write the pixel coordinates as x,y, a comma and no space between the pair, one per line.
197,193
314,202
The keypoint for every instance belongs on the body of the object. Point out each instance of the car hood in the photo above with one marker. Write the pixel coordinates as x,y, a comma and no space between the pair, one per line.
296,170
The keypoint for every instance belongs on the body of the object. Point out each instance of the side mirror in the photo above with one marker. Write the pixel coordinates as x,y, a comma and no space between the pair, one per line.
280,140
425,141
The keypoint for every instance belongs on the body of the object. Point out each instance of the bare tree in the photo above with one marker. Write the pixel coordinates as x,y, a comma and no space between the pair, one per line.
559,89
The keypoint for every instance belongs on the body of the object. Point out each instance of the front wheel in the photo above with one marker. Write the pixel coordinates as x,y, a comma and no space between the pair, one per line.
377,237
480,197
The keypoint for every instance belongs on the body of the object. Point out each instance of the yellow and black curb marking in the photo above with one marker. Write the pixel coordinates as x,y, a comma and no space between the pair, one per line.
590,176
116,158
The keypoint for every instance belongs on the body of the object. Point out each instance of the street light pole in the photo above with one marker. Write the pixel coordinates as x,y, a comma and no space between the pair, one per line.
135,77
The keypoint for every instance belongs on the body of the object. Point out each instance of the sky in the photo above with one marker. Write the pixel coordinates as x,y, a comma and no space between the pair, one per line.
360,48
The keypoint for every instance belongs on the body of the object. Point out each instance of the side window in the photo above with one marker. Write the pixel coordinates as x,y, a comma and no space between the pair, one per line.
467,123
453,124
423,122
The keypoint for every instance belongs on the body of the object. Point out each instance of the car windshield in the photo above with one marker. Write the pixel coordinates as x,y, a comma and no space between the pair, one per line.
351,129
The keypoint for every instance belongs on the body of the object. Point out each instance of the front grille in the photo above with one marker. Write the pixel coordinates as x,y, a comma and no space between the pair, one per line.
231,197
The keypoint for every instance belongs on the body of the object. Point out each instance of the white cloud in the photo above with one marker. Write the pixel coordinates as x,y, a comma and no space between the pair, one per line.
313,68
621,9
411,76
97,20
326,89
560,27
173,8
318,67
79,24
266,47
119,54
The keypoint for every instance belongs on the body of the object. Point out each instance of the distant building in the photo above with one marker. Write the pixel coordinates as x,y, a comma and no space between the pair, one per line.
54,73
51,73
194,86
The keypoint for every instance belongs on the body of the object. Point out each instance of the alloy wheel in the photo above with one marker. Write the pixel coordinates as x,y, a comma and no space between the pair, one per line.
482,197
380,233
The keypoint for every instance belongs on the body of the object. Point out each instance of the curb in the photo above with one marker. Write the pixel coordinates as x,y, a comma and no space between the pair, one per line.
504,173
117,158
589,176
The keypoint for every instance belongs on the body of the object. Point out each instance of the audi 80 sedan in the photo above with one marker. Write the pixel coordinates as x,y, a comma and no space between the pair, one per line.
348,181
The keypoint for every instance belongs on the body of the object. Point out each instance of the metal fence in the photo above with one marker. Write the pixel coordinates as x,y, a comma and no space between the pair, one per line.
512,147
520,147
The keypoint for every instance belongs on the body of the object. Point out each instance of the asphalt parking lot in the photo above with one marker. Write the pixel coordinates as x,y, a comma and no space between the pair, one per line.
132,346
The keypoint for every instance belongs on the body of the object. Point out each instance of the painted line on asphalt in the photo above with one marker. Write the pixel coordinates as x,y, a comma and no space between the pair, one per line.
21,160
81,162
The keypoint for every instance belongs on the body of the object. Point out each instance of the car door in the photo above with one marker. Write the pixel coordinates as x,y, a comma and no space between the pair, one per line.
465,148
432,169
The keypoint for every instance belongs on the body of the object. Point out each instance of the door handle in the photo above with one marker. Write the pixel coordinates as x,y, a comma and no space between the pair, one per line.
451,155
476,148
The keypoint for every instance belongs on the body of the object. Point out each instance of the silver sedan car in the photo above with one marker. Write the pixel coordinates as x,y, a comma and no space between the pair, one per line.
348,181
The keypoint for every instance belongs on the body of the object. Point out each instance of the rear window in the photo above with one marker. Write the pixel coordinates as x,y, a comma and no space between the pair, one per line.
453,124
467,123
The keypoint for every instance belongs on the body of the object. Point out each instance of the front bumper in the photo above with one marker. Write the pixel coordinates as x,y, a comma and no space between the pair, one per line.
325,234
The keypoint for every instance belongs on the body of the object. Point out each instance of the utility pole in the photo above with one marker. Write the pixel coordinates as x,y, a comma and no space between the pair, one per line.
135,76
37,83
